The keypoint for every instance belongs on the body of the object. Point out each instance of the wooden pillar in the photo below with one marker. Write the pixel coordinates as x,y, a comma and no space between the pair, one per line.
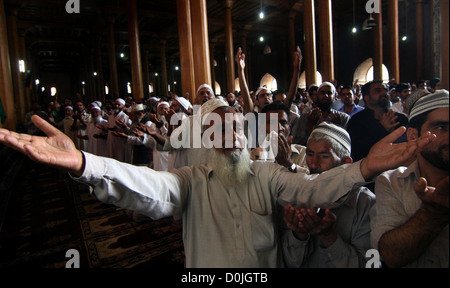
200,42
164,82
378,45
228,5
135,50
186,48
24,55
114,79
99,69
444,45
6,86
213,68
310,43
419,39
326,40
17,76
394,59
291,39
146,73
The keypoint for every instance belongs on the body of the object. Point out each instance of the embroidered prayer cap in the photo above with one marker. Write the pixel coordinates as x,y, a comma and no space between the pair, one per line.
413,97
336,132
436,100
208,107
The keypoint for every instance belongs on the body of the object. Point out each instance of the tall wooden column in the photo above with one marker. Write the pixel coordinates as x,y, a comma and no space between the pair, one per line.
326,40
186,49
228,5
200,42
291,39
99,69
394,59
114,78
213,67
444,45
419,39
135,51
378,45
164,82
146,73
6,87
17,77
310,43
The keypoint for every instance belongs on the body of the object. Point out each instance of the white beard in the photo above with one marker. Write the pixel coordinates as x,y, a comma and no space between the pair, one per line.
233,169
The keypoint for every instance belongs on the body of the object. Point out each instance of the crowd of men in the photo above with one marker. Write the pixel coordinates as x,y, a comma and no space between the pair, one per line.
333,178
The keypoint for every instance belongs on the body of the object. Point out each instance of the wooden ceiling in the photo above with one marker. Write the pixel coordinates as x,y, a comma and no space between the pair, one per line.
57,38
54,38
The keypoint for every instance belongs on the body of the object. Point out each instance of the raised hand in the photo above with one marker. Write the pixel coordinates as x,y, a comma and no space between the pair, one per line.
389,121
385,155
435,199
240,59
56,149
283,153
291,218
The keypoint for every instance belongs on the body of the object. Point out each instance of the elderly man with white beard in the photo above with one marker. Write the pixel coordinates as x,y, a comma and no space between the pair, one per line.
228,205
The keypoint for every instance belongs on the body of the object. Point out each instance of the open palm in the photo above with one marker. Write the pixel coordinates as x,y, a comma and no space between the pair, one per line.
56,149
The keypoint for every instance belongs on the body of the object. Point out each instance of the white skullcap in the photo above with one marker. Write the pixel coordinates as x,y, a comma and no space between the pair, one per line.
333,88
336,132
259,91
121,101
69,107
436,100
99,104
184,102
163,103
205,86
138,108
95,107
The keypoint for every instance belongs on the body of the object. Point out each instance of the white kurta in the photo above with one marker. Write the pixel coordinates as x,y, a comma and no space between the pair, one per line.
223,226
116,145
96,146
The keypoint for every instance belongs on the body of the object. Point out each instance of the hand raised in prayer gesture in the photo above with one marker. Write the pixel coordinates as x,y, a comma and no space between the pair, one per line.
292,219
56,149
283,155
385,155
389,121
240,59
298,57
435,199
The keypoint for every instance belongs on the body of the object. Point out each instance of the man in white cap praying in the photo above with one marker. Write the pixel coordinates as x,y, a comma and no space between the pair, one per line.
410,218
341,238
116,145
227,205
322,112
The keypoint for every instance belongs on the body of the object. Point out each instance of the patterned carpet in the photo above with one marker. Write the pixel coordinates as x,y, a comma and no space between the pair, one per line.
48,214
